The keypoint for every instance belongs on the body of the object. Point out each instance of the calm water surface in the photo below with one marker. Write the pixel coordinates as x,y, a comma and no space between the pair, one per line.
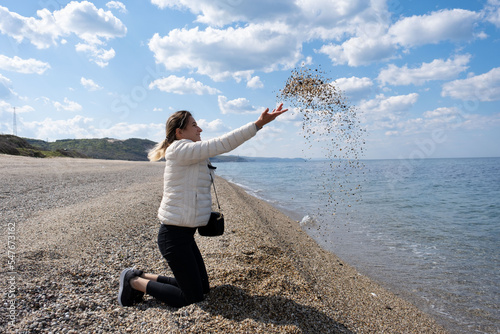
429,230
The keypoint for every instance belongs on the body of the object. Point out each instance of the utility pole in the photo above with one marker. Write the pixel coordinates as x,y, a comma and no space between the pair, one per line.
14,125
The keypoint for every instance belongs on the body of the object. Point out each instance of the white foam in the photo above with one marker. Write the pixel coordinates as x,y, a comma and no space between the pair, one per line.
308,221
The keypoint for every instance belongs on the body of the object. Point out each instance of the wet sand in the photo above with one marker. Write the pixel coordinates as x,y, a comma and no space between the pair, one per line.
77,223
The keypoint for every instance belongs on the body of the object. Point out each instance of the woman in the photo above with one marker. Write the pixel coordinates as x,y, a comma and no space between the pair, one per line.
186,205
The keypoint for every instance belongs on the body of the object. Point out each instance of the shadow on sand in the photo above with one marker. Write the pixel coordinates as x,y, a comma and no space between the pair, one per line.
268,309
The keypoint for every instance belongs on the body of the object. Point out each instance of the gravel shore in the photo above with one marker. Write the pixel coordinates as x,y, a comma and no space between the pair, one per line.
72,225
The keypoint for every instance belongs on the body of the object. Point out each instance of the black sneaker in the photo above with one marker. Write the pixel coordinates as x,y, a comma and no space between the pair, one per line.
125,293
136,294
137,272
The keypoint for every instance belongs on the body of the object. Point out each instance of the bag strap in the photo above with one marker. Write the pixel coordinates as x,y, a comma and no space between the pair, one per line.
213,184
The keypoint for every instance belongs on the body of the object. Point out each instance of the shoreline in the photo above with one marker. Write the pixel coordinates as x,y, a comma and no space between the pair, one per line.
80,222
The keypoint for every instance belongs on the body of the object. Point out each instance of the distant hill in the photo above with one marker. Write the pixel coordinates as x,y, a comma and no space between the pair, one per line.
106,148
228,158
234,158
14,145
258,159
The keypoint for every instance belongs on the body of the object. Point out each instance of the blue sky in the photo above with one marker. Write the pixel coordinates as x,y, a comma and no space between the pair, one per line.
424,75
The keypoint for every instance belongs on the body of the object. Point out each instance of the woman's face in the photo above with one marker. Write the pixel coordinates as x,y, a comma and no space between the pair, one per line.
192,131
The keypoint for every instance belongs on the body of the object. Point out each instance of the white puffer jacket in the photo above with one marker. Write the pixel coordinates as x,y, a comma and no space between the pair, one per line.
187,200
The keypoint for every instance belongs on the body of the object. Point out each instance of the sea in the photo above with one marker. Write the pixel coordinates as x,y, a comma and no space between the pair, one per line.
427,230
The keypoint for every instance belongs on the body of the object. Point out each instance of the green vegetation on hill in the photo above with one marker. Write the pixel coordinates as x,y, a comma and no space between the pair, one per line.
14,145
228,158
105,148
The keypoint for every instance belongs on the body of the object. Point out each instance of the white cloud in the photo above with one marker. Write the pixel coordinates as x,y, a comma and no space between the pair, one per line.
126,130
5,87
392,133
255,82
80,18
99,56
76,127
44,99
480,122
88,22
237,106
355,33
89,84
323,14
233,52
390,104
492,12
220,13
354,88
320,10
67,106
215,126
294,23
374,41
483,87
384,112
117,5
440,112
94,26
181,85
438,69
7,107
17,64
453,24
42,33
82,127
444,119
360,51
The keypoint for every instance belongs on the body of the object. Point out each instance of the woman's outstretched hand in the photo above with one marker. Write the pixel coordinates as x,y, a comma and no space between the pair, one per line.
267,117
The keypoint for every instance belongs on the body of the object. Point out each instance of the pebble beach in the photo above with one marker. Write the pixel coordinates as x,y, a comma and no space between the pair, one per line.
70,226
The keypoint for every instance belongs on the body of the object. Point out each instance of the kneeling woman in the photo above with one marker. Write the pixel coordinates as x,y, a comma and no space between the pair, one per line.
186,205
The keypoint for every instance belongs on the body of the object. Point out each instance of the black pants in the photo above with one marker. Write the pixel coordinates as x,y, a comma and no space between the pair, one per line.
178,247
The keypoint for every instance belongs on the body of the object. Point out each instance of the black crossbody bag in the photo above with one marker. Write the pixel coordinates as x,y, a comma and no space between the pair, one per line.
215,226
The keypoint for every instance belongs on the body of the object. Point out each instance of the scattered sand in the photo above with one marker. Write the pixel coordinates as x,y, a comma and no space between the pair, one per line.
332,128
78,223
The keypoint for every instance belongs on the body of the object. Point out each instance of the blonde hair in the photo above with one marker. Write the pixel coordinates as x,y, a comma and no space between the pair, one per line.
178,120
